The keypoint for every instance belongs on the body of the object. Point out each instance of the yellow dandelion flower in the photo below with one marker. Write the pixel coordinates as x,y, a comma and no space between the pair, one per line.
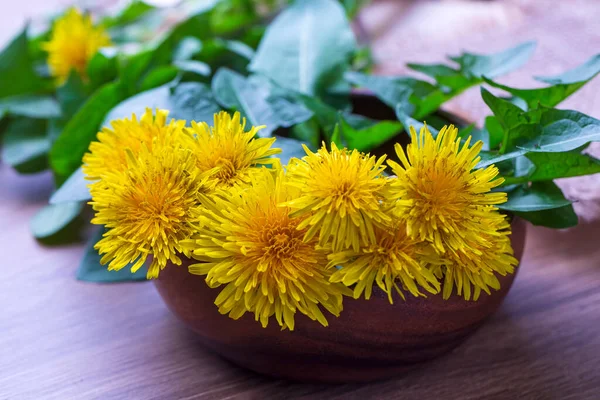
478,264
73,42
148,202
251,245
439,195
340,196
108,153
234,152
393,259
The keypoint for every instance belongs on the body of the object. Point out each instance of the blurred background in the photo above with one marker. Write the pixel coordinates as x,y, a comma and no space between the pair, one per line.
402,31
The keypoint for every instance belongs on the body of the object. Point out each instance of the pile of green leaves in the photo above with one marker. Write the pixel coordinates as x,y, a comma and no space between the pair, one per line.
296,75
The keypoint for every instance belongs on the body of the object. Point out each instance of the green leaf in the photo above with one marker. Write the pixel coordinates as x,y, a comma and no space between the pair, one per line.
408,121
488,159
193,66
102,69
155,98
193,101
53,218
509,117
308,131
32,106
132,68
187,48
134,10
547,97
371,137
72,143
16,69
582,73
560,131
389,90
252,98
290,148
90,269
494,130
445,76
158,77
71,95
549,166
304,44
539,196
74,189
491,66
556,218
25,145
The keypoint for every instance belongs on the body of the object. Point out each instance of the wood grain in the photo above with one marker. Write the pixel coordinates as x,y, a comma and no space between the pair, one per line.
64,339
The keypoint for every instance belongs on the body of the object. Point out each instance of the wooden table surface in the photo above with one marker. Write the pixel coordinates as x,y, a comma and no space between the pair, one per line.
64,339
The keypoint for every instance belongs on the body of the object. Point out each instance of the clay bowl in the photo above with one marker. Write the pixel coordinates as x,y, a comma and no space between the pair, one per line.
370,340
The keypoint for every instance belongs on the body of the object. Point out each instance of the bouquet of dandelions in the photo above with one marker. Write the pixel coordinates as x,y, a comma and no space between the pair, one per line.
279,239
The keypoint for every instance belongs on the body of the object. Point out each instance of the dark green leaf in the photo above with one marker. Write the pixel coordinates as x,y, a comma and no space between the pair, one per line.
493,65
556,218
547,97
387,89
25,140
308,131
71,95
132,68
74,189
102,69
561,130
494,130
72,143
371,137
550,166
32,106
90,269
53,218
540,196
304,44
158,76
16,69
446,76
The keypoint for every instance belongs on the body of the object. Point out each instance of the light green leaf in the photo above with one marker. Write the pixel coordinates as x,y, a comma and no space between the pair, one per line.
290,148
193,101
90,269
187,48
488,159
74,189
25,144
72,143
582,73
304,44
155,98
32,106
540,196
491,66
193,66
16,69
252,97
53,218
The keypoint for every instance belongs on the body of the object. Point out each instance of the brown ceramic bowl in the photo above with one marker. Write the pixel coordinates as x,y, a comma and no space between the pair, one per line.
371,340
